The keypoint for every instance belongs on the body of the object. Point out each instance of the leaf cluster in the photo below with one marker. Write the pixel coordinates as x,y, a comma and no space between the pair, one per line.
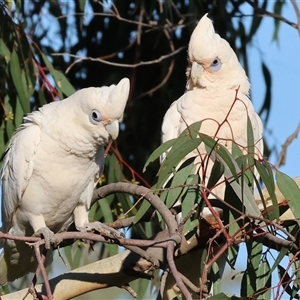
49,49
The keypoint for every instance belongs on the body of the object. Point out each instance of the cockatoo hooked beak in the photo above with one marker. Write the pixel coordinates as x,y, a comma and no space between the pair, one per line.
113,129
196,71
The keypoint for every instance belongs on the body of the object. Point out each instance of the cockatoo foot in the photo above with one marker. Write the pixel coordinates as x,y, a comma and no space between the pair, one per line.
49,236
103,229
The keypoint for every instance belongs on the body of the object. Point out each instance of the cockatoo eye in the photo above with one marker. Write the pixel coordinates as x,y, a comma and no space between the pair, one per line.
215,65
95,117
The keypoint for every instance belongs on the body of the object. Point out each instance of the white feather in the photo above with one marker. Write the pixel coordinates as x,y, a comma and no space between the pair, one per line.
51,166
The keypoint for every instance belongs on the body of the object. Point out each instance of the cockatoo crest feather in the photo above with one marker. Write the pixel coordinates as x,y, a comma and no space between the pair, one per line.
206,49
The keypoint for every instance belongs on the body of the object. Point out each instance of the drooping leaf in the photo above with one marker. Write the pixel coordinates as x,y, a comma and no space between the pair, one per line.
63,85
268,181
186,142
278,5
142,210
290,190
216,173
286,278
256,21
158,152
263,281
19,78
249,158
222,153
254,250
179,181
267,101
190,197
282,253
246,197
4,51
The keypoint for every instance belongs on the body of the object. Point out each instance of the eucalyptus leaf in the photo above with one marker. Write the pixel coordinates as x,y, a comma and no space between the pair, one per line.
290,190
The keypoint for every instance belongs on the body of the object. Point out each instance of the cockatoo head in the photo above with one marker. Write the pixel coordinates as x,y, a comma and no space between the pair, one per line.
91,116
213,62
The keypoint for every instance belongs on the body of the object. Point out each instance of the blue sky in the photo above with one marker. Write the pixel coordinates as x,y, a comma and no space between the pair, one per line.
283,60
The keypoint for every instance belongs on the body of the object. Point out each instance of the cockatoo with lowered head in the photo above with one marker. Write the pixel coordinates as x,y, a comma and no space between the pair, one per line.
50,169
217,94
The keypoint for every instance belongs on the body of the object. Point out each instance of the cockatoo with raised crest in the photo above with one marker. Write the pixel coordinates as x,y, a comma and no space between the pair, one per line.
50,169
217,94
217,91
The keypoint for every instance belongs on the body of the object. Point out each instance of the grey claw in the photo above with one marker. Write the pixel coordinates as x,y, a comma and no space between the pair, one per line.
49,237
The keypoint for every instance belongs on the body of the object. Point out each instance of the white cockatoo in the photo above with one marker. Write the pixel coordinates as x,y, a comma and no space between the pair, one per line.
217,94
50,169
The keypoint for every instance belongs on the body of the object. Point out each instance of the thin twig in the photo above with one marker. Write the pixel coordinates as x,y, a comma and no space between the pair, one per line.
281,160
129,289
98,59
163,281
296,8
262,12
176,274
40,259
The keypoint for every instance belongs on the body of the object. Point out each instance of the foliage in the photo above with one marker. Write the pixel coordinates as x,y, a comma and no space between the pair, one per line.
48,49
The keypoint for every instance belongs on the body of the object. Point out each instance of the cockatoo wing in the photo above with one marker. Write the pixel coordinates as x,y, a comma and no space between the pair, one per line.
17,169
170,126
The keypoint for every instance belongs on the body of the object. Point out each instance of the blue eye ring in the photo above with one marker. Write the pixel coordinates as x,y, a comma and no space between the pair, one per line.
95,117
216,65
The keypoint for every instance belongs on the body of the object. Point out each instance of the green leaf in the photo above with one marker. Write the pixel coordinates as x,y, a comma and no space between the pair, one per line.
19,113
282,253
20,81
256,23
190,198
263,280
186,142
254,250
216,173
254,253
268,180
41,97
267,101
278,5
106,211
216,278
158,152
246,197
10,128
222,154
247,288
179,181
236,151
174,157
249,159
4,51
290,191
143,209
62,83
285,277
